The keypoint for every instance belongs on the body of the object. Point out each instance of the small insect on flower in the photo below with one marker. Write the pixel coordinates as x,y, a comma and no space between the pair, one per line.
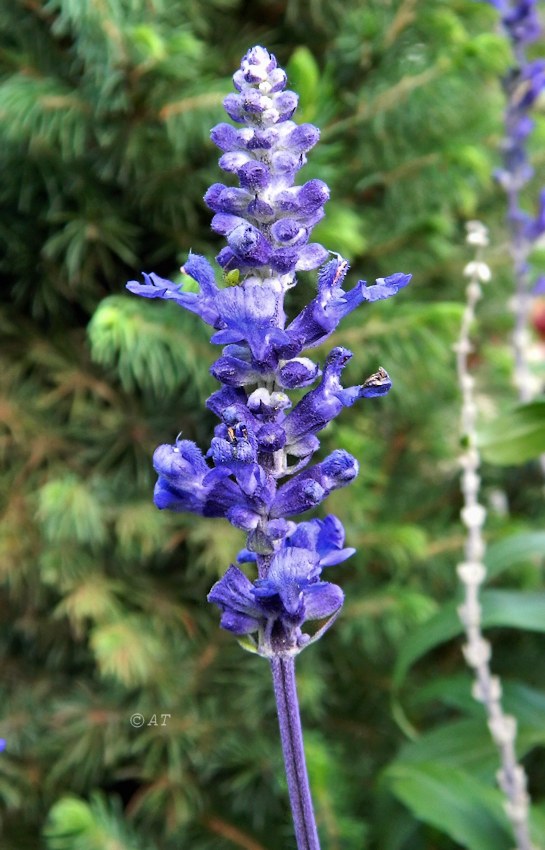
233,436
341,271
377,377
379,381
232,278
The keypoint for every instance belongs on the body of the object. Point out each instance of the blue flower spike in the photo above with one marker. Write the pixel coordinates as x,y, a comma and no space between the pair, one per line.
262,439
523,86
258,471
254,473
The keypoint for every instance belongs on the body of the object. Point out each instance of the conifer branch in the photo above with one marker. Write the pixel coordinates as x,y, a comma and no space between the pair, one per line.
231,833
404,17
391,98
190,104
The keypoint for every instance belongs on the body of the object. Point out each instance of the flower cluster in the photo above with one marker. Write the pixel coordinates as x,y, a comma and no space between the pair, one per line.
520,20
523,85
257,471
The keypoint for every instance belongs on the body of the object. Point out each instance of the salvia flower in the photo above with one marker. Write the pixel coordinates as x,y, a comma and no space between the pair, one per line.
258,471
519,19
523,85
277,606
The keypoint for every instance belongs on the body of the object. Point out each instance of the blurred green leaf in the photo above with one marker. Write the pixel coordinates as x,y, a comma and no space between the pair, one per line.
452,801
467,743
464,744
342,230
304,78
492,51
506,608
514,437
525,703
126,651
513,551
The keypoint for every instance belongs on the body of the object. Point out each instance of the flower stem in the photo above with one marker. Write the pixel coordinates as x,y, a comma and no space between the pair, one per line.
291,734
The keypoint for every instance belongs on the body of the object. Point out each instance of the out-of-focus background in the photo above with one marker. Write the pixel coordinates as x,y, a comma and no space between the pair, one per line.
131,721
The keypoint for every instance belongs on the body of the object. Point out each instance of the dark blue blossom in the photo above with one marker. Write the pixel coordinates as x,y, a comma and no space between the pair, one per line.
321,405
323,536
257,471
523,84
520,19
277,606
203,303
252,313
320,318
307,489
293,592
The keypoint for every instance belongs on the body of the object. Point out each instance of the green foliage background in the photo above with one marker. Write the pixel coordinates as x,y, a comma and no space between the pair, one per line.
105,110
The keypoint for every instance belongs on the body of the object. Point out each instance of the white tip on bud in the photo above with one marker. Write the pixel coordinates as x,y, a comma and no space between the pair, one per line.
477,233
479,270
478,652
471,572
473,516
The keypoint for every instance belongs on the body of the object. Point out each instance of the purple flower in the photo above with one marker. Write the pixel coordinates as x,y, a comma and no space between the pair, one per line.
320,318
182,470
203,303
539,286
277,606
267,221
323,404
252,313
323,536
520,19
257,471
307,489
523,85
